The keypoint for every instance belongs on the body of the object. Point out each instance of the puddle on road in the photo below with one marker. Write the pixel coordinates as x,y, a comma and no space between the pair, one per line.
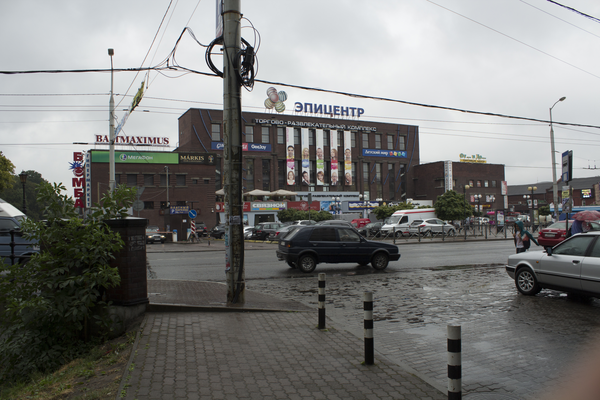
467,266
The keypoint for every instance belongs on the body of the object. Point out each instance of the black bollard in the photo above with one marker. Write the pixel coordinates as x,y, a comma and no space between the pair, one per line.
454,363
369,349
321,301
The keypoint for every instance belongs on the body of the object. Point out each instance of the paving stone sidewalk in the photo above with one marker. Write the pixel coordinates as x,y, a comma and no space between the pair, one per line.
257,352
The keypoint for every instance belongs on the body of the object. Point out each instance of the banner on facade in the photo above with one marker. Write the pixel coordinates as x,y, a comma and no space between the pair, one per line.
290,156
305,157
320,159
347,158
333,139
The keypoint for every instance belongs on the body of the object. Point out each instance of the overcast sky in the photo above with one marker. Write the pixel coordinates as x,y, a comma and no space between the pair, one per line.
506,57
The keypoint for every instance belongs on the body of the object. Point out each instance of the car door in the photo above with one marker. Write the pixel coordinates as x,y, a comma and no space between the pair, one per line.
563,267
351,248
590,269
323,240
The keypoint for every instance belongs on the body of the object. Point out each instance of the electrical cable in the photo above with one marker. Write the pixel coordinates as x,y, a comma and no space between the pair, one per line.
574,10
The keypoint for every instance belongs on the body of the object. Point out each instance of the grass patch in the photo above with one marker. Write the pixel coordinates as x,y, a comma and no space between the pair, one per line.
96,376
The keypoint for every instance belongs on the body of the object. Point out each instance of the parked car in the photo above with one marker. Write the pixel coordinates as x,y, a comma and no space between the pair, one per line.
283,231
264,229
305,248
571,266
553,234
23,248
360,222
371,230
304,222
430,227
153,235
334,222
557,232
248,231
201,229
218,231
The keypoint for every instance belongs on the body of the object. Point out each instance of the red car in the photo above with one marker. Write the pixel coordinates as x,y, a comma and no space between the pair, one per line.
556,233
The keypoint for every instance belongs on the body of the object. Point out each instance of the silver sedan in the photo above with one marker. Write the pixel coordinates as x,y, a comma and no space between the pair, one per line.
571,266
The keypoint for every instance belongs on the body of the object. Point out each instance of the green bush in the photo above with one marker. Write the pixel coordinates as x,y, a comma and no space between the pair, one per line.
52,301
294,215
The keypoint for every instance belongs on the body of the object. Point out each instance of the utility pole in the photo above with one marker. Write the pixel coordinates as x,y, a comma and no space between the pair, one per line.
232,137
111,128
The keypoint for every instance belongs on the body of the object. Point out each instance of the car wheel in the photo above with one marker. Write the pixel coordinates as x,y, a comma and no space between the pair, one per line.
526,282
380,261
291,264
307,264
399,234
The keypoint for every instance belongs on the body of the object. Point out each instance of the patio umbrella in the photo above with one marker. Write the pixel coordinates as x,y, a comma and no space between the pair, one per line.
587,215
283,192
220,192
257,192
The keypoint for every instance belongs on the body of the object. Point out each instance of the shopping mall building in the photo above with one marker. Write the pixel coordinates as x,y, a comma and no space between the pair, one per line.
338,157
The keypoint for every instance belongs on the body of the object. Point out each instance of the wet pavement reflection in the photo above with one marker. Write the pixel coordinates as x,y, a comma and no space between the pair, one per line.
511,344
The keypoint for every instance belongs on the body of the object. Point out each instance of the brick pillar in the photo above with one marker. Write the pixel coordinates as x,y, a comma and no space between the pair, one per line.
131,262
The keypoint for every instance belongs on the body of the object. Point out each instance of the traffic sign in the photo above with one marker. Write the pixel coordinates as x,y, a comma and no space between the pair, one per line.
192,214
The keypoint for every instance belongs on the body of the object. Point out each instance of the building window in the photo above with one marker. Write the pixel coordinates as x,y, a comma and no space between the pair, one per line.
390,140
401,143
163,180
249,174
365,140
280,135
266,175
493,183
326,138
354,172
265,134
479,184
378,173
311,137
216,132
179,180
163,205
340,138
471,183
131,179
377,141
249,134
296,135
353,138
206,181
485,183
148,205
366,172
313,172
148,180
281,173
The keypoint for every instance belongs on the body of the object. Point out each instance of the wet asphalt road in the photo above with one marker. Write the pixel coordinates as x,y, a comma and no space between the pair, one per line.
513,346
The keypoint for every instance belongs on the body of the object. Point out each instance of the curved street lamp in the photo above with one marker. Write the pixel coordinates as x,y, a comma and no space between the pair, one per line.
465,213
554,184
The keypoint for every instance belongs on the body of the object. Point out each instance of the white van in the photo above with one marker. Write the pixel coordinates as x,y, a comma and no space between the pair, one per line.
401,219
8,210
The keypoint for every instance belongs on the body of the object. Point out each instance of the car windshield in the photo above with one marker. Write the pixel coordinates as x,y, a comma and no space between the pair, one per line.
393,219
152,229
417,222
292,233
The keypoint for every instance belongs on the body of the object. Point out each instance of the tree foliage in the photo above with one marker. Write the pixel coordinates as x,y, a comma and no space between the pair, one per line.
383,212
7,168
13,194
452,206
544,210
52,302
294,215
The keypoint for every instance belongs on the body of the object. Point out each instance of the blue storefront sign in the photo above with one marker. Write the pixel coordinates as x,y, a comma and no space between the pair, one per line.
265,147
384,153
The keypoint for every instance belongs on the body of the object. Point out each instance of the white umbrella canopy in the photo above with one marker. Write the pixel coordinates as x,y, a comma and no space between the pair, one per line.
257,192
220,192
283,192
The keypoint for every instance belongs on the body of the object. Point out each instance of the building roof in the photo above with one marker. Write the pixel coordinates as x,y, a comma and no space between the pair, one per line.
542,187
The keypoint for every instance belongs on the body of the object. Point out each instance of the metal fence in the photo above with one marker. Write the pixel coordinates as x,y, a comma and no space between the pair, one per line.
22,259
456,233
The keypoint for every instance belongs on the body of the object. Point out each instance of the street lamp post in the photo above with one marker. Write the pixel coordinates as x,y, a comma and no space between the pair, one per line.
23,177
365,203
532,189
554,184
111,128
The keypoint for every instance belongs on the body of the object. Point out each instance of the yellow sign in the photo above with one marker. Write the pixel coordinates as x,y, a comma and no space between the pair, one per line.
477,158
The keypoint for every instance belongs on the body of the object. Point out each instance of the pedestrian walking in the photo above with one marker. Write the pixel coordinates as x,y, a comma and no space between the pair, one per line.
523,238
